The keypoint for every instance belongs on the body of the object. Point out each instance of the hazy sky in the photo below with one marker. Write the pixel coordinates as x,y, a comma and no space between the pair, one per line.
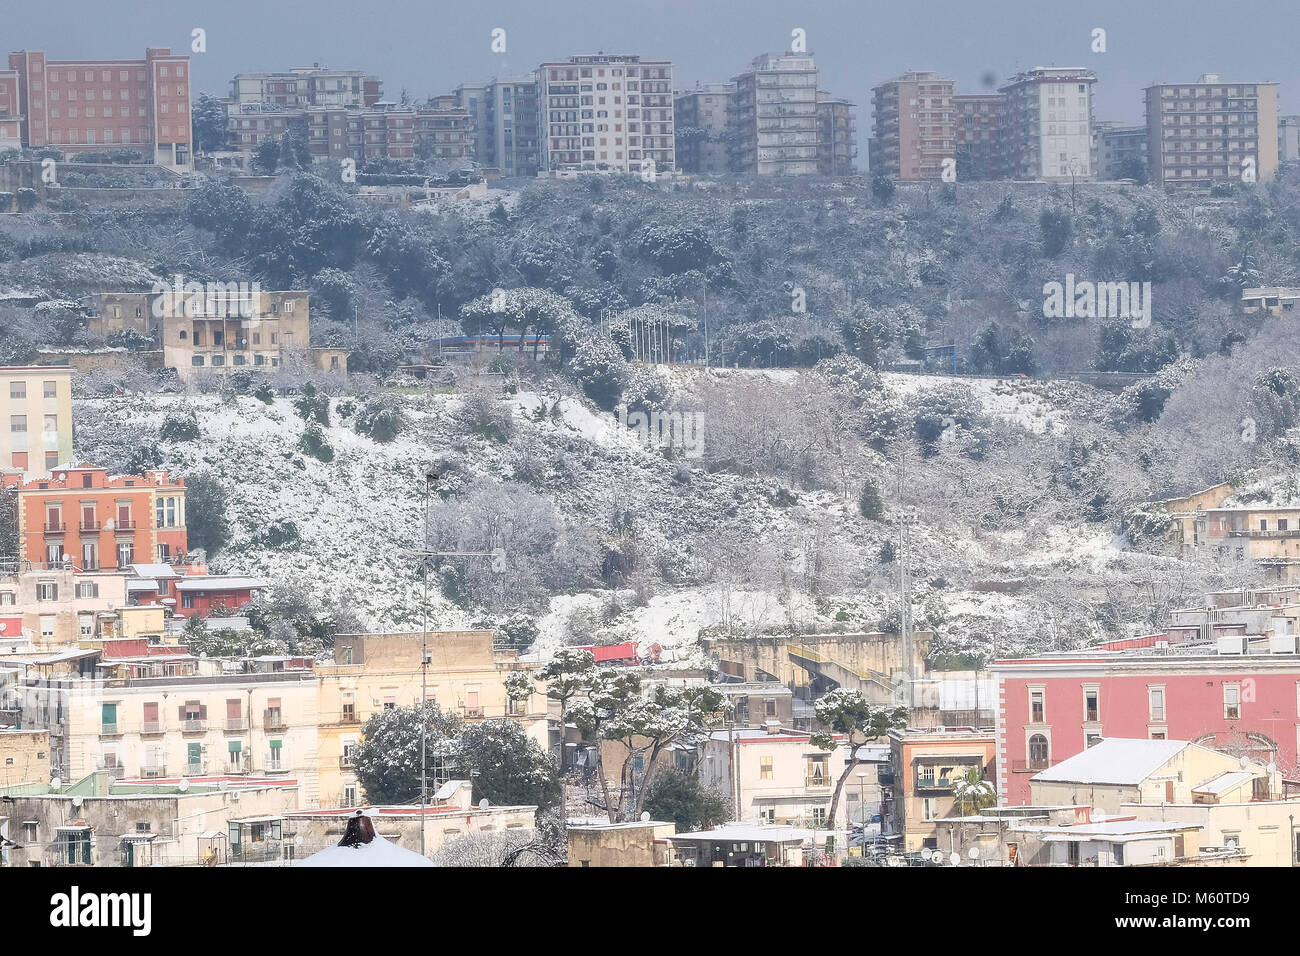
428,47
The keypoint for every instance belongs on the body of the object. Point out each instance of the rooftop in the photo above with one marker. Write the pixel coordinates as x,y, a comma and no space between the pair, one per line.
1116,760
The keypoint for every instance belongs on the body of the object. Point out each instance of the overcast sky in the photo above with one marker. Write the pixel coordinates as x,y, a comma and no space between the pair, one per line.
428,47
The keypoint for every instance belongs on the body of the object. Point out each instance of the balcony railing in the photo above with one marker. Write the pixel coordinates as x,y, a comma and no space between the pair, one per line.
194,725
473,711
153,771
151,728
349,718
817,782
55,527
236,723
346,763
90,526
273,720
934,783
124,525
1029,766
116,773
109,730
195,769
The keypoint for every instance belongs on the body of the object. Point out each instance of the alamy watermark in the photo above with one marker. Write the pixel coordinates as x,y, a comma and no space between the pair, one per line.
681,430
205,299
1098,300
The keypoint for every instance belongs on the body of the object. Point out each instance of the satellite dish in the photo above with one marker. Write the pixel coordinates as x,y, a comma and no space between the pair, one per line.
973,853
1272,767
954,858
55,783
183,786
937,856
1245,761
483,804
645,816
76,802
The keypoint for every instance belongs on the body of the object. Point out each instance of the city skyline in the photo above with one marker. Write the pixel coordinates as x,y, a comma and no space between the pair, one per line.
855,48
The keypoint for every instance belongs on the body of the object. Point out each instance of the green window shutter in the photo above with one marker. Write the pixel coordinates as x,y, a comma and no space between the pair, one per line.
110,713
275,745
195,752
234,746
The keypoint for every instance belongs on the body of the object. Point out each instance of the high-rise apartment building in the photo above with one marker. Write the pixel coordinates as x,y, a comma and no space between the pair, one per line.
504,115
79,106
914,127
773,117
978,118
307,86
1288,138
1212,131
700,116
1118,151
837,135
1047,125
605,113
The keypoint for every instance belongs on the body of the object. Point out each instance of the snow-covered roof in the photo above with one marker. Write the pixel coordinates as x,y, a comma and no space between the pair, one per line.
220,582
747,833
154,571
1115,831
1224,782
378,852
1118,760
142,584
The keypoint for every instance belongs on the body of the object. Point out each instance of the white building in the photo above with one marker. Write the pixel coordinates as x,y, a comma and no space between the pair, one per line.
1047,125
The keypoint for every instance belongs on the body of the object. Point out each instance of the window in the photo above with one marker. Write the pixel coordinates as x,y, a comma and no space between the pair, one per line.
125,554
6,597
1091,709
769,706
87,589
765,768
817,770
819,817
17,389
1156,702
47,591
18,423
1231,701
1037,708
1038,752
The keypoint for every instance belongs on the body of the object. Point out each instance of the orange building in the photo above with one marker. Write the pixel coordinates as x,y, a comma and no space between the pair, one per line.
83,517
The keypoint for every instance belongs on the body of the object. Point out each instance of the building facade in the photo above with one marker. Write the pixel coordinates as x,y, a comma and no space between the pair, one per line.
837,136
1288,139
605,113
36,407
914,127
80,106
503,113
1119,151
978,122
700,116
1046,125
57,607
773,117
1211,131
925,766
307,86
774,776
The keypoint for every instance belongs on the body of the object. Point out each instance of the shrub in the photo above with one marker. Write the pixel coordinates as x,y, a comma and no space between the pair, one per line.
314,443
180,425
381,418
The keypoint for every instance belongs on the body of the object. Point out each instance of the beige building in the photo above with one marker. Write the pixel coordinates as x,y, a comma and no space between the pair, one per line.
218,327
374,672
914,127
24,756
925,767
620,844
36,413
703,112
61,607
1212,131
101,822
1275,300
1119,770
774,776
187,726
773,117
1263,829
1201,524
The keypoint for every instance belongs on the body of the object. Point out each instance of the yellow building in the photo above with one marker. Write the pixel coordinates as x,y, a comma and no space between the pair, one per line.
36,413
374,672
24,757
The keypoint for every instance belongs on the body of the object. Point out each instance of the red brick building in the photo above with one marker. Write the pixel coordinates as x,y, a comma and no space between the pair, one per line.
98,105
96,522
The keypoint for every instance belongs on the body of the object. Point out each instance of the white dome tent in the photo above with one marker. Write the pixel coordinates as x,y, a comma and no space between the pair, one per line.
362,846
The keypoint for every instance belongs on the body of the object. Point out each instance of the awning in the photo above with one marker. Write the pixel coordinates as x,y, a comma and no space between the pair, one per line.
139,837
75,828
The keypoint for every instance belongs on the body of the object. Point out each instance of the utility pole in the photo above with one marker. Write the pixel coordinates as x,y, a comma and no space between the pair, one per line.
424,665
904,593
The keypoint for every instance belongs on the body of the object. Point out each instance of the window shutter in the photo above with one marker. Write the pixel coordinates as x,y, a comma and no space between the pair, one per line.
203,712
181,712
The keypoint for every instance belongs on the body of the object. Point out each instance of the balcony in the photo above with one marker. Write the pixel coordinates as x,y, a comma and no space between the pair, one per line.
152,728
235,724
935,783
346,763
473,711
114,772
1029,766
818,782
349,717
125,525
193,725
90,526
153,771
273,720
109,730
55,527
195,769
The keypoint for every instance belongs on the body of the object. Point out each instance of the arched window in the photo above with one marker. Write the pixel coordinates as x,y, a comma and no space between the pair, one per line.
1038,752
184,335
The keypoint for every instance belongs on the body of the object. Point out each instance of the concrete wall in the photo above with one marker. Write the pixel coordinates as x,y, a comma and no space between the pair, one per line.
623,844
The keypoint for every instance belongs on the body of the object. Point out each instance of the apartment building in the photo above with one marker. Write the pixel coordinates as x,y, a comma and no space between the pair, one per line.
837,136
36,406
93,105
375,672
773,117
1275,300
700,116
1288,139
978,122
1208,525
81,516
1119,151
313,85
101,821
58,607
213,330
925,766
504,116
11,116
1212,131
774,775
1236,693
1046,125
605,113
182,726
914,127
24,757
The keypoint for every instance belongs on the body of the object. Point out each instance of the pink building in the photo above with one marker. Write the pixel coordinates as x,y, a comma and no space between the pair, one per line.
1054,706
